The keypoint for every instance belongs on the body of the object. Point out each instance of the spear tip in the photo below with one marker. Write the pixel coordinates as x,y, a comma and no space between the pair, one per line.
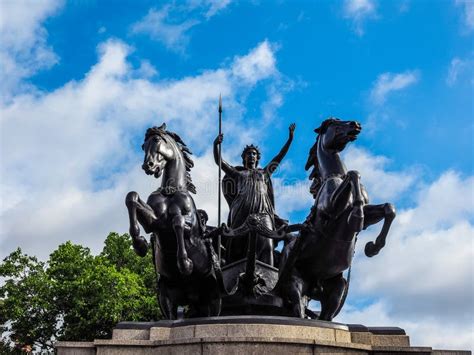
220,103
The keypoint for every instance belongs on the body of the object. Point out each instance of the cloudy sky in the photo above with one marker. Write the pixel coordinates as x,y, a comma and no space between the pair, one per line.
82,80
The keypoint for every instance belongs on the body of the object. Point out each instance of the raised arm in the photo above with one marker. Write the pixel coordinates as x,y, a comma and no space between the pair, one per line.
273,164
226,167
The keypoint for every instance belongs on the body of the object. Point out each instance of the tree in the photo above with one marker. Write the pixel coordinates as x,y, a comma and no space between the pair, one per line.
74,295
24,309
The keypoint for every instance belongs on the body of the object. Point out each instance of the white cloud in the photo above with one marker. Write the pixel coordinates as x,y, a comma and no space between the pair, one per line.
146,70
387,83
171,24
291,195
358,8
381,91
261,63
452,193
359,11
23,47
276,99
455,68
258,64
210,7
458,70
156,25
382,185
66,155
428,331
468,8
404,6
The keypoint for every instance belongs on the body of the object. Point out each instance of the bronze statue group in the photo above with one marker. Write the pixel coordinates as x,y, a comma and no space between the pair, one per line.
234,268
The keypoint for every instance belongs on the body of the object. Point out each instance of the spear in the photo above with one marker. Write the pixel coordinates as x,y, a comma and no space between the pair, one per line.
220,187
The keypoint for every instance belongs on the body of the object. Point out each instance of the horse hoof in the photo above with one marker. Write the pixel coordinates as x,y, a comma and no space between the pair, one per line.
370,249
140,245
185,266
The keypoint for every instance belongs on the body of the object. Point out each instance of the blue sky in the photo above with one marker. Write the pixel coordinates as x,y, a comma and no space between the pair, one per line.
82,80
333,68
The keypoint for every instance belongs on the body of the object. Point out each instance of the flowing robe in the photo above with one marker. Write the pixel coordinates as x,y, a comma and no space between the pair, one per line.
249,191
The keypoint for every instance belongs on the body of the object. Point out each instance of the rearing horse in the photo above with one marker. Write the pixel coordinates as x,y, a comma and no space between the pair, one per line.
183,260
313,263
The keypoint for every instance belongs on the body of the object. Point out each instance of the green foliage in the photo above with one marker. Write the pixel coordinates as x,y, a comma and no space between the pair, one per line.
74,295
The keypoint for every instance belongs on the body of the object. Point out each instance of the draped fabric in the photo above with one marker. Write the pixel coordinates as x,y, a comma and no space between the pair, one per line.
248,191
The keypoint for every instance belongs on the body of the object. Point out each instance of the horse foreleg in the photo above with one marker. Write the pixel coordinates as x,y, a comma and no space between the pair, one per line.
332,296
376,213
340,197
139,212
185,265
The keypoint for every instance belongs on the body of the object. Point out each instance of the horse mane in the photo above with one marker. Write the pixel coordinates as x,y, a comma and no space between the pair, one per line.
313,152
188,162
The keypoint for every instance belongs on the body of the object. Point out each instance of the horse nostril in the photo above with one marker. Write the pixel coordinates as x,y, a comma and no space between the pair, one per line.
150,164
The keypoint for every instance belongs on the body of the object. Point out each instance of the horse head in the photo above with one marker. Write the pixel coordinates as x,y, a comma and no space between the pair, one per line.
158,150
335,134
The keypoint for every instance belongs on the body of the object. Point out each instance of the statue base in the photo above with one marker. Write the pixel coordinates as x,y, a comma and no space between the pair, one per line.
248,335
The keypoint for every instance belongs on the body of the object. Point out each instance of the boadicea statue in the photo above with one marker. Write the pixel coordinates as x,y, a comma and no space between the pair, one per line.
252,277
248,190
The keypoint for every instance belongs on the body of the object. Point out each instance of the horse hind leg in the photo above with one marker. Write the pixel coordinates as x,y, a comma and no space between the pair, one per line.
215,299
332,296
207,308
215,307
185,264
293,295
209,297
375,214
168,308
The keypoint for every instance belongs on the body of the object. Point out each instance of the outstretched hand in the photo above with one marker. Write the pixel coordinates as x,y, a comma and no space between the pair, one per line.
291,130
219,139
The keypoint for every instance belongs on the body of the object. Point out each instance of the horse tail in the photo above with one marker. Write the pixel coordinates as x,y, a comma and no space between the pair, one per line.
346,289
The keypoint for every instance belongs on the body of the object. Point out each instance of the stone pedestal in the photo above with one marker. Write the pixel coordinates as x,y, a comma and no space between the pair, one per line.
248,335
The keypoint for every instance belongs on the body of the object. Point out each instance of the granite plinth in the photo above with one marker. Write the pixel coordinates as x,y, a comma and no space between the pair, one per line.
248,335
